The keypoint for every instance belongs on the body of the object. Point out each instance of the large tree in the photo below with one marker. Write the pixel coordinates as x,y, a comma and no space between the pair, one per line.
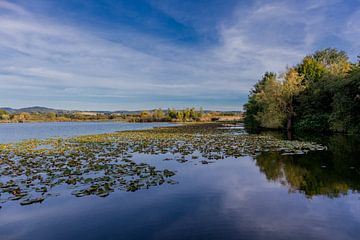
258,104
292,86
321,93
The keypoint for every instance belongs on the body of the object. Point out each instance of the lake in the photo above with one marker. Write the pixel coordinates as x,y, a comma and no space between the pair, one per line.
267,196
14,132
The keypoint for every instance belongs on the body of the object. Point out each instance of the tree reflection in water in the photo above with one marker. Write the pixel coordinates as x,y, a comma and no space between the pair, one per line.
331,173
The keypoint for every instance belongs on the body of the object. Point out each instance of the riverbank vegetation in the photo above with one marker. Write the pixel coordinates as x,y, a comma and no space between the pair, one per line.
157,115
22,117
184,115
320,94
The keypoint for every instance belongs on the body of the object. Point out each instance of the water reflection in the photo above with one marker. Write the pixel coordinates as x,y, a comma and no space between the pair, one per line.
231,198
331,173
15,132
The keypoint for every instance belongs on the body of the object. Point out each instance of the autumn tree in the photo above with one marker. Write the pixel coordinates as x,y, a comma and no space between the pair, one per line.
292,86
253,108
321,93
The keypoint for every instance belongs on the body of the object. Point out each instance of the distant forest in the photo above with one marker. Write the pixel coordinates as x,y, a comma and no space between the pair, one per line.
320,94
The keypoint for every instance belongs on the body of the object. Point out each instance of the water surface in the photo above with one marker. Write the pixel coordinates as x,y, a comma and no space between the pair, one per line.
14,132
270,196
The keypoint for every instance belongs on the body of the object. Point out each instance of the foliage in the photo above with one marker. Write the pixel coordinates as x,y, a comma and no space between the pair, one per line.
271,101
271,115
3,112
310,69
313,123
319,94
345,116
4,115
291,88
336,62
259,104
171,115
51,115
157,115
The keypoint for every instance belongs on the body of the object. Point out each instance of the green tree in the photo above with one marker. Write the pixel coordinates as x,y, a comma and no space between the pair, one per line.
345,116
171,113
51,115
180,116
253,107
268,96
3,112
335,61
292,86
322,71
319,94
158,115
4,115
310,69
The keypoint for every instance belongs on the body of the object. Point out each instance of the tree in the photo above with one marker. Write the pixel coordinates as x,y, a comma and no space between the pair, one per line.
345,116
51,115
322,93
336,62
158,115
172,113
4,115
321,71
3,112
318,94
330,56
180,116
310,69
291,87
253,108
145,116
268,97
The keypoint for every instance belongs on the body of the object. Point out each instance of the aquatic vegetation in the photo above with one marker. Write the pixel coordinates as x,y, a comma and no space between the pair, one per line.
33,170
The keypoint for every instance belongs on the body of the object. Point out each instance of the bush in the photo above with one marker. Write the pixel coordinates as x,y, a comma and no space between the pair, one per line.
313,123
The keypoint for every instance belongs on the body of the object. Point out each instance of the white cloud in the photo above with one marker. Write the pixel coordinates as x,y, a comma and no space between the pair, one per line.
42,53
5,5
352,30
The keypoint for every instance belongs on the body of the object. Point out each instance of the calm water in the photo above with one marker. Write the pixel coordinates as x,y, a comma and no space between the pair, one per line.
13,132
313,196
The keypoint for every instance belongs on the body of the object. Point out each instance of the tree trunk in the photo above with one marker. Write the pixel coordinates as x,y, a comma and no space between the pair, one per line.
289,122
290,117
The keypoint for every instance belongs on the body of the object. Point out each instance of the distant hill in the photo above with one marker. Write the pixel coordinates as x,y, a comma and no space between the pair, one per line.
35,109
44,110
9,110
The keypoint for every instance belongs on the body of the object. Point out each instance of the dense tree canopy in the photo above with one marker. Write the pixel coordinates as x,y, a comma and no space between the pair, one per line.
321,93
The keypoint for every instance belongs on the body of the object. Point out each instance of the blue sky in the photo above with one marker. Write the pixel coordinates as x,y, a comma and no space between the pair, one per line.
144,54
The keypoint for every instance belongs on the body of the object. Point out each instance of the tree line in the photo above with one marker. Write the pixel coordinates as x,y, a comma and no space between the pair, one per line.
182,115
49,117
171,115
157,115
319,94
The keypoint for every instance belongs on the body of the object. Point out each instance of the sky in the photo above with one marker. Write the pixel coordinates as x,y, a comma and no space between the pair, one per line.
146,54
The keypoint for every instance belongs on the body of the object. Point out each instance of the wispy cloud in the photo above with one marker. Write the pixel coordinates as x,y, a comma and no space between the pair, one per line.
352,30
70,66
8,6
